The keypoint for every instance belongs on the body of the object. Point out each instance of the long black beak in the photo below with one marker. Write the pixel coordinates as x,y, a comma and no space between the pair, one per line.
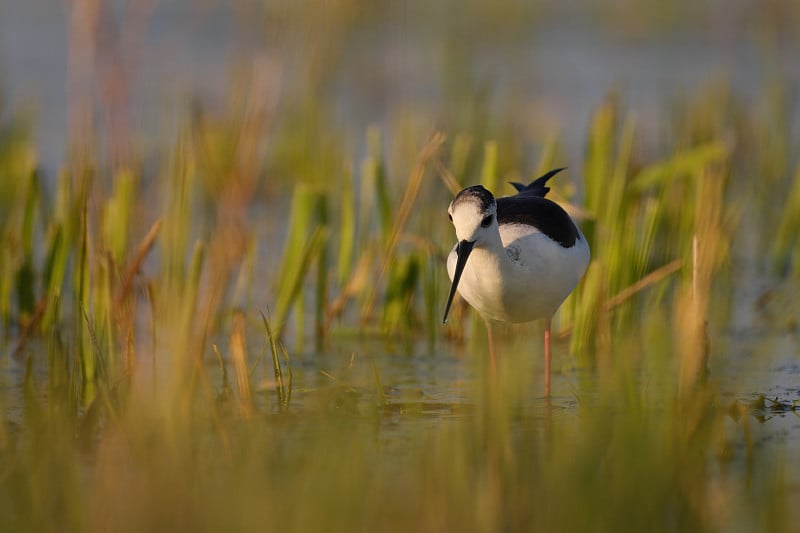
463,250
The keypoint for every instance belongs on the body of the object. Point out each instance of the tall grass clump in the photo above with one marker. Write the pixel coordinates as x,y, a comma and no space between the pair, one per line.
645,223
305,245
20,196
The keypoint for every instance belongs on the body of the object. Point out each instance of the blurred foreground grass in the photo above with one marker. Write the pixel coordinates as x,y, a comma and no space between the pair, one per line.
146,312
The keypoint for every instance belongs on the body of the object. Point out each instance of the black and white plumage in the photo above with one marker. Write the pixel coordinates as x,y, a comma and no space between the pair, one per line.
517,257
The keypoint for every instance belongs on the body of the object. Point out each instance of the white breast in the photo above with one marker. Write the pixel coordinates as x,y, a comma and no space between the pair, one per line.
525,278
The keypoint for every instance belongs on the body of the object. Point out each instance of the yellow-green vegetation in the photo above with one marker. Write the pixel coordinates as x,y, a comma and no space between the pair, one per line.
248,338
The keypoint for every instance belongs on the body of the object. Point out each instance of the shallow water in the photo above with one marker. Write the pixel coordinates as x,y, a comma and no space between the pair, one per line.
444,391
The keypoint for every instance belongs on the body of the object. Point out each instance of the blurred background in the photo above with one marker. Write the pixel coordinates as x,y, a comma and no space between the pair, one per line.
123,69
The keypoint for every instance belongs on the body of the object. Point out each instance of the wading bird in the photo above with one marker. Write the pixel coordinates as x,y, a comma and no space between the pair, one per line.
517,257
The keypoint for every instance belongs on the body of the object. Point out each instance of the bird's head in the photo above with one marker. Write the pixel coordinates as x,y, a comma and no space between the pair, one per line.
474,214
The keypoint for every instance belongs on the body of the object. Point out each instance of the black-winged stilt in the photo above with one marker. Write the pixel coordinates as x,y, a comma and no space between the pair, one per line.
517,257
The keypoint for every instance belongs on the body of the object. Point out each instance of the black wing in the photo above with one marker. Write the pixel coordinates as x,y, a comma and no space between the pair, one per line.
537,187
530,207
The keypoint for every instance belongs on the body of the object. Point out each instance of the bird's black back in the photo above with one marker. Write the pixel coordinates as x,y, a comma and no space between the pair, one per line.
530,207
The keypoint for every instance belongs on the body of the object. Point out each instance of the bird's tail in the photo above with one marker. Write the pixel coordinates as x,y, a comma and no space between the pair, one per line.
538,187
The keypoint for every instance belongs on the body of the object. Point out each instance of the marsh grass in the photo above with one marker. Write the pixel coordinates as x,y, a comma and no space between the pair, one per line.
135,400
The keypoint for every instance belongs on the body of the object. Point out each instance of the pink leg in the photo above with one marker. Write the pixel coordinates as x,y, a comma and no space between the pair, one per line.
547,358
490,340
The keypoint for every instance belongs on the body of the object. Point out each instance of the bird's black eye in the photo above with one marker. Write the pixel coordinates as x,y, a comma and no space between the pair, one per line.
450,217
486,222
